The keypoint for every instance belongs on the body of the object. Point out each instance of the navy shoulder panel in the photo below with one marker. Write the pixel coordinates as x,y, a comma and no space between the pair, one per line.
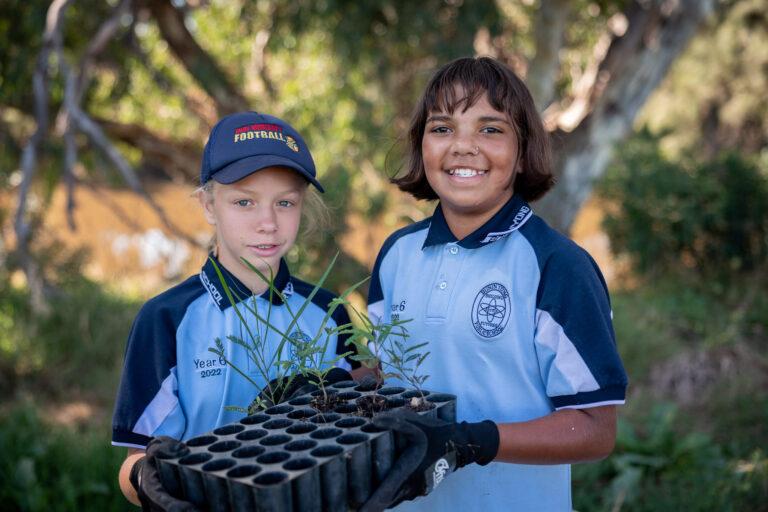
166,310
561,260
394,237
573,291
558,256
150,354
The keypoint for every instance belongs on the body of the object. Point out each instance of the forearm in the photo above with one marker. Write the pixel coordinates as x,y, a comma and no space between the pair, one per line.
562,437
125,471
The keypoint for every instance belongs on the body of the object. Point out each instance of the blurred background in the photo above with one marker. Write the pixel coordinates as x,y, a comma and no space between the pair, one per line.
657,109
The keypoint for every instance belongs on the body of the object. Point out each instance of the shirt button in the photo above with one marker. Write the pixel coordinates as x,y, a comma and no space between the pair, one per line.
443,285
454,250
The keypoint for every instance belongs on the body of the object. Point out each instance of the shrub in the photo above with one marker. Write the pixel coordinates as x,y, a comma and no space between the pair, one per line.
666,466
709,218
55,354
54,468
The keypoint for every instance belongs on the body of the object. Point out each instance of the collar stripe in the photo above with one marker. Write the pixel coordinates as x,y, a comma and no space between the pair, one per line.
516,209
520,218
218,290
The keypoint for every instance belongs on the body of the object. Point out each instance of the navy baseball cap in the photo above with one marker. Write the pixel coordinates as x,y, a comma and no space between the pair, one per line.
243,143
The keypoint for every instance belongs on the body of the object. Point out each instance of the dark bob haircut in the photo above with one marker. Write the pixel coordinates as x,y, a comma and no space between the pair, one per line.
506,93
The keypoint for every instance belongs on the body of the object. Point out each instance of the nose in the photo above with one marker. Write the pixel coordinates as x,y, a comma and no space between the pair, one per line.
464,145
266,220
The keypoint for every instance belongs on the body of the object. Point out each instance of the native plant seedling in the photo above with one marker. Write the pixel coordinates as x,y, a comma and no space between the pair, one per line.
391,356
308,349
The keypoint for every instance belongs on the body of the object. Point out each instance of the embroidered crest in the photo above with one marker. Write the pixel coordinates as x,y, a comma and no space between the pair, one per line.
291,143
299,341
491,310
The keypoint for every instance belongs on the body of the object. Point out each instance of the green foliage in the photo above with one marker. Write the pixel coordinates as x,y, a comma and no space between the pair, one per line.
714,94
670,467
705,218
22,23
657,320
21,27
57,352
705,456
380,33
391,353
46,467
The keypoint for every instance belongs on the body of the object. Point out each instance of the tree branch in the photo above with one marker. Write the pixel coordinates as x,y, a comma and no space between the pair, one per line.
180,159
51,38
205,110
97,137
70,153
633,66
106,33
196,60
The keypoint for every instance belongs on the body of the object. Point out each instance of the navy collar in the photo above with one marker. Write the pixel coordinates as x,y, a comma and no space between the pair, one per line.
510,218
213,283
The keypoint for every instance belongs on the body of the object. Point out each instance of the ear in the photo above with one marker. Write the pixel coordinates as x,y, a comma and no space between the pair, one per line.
206,203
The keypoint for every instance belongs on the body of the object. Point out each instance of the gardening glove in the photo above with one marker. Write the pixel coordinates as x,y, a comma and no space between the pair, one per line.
298,386
435,447
369,383
146,480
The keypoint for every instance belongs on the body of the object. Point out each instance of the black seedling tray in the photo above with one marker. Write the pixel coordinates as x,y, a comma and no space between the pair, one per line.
290,458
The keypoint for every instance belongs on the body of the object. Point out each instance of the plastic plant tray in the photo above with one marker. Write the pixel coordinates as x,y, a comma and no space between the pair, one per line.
291,458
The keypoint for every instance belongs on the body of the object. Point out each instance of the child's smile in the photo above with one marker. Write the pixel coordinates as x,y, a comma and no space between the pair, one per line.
470,159
465,172
265,250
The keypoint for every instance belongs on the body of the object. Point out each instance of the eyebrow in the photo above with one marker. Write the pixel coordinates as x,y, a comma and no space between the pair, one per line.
436,119
497,119
484,119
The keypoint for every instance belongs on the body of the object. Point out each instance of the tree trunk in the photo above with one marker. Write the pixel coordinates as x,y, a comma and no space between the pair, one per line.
549,27
633,66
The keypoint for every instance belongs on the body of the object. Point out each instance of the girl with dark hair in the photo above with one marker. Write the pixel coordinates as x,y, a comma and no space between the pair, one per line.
517,316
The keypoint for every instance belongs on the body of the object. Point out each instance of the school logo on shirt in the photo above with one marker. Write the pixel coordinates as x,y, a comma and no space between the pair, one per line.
298,342
491,310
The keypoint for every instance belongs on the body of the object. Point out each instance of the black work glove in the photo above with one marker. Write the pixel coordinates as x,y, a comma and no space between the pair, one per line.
297,387
435,447
369,383
146,480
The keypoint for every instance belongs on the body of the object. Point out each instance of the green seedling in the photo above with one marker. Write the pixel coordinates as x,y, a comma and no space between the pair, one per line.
392,356
308,349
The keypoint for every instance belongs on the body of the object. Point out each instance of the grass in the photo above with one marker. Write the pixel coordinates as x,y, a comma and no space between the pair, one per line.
708,454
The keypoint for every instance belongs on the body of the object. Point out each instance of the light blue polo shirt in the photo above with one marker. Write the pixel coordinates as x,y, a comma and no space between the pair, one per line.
518,322
173,385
